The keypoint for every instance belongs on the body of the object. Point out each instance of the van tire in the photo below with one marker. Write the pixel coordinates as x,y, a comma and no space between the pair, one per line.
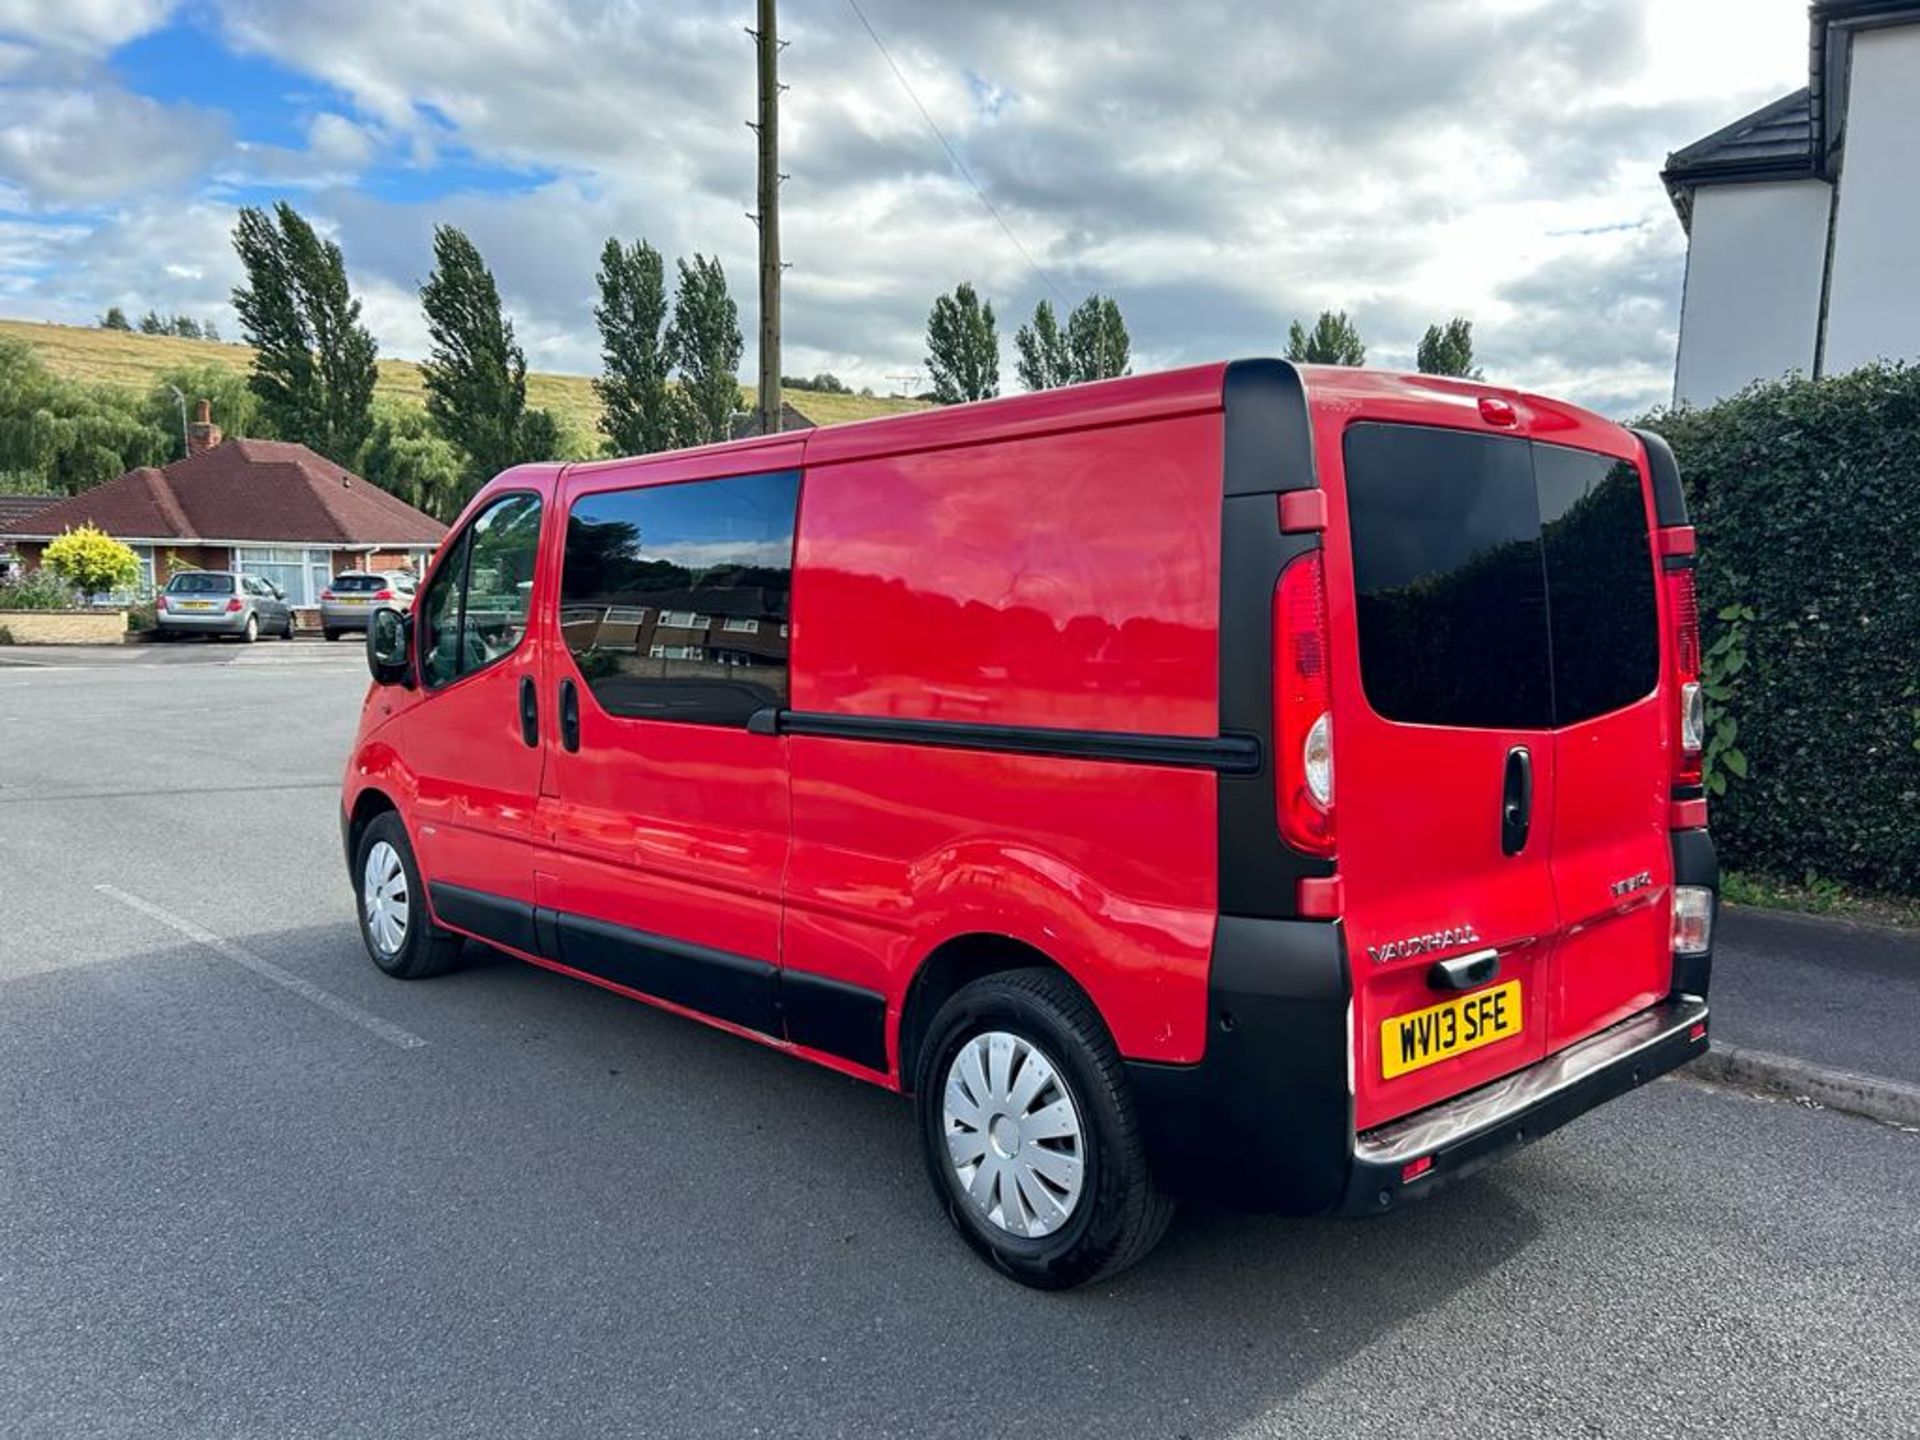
425,950
1119,1214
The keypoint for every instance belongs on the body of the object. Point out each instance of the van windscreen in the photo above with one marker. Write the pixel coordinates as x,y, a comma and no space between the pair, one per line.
1499,583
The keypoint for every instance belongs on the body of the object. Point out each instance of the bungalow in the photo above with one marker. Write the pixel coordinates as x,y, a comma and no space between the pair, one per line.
261,507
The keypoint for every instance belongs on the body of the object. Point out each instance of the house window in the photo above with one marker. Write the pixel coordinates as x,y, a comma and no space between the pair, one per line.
686,552
302,573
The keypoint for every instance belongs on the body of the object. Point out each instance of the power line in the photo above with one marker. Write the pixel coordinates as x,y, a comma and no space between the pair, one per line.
954,155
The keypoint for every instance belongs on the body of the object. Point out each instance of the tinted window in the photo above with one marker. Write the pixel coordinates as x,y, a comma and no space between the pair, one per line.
199,582
1447,573
673,598
1606,635
475,610
357,584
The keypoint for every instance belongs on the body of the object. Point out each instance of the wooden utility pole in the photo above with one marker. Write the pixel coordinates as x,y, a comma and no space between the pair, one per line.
767,41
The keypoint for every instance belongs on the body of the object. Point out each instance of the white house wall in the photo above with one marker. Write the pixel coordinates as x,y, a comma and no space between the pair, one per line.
1873,311
1752,308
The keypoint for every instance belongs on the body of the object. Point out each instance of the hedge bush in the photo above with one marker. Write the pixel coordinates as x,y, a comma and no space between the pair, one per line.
1806,495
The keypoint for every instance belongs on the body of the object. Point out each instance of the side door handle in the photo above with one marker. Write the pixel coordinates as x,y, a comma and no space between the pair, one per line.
529,711
1516,801
569,716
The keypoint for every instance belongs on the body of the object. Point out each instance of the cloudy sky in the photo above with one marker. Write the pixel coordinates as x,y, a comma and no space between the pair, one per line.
1219,167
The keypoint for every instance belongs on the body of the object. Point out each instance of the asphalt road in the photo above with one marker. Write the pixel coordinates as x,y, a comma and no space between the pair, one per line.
249,1187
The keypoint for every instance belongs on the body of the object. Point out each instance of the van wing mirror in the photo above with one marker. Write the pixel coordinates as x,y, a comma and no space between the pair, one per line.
388,634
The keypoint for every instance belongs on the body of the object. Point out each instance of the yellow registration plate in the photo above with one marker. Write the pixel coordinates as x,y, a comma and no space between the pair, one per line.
1426,1037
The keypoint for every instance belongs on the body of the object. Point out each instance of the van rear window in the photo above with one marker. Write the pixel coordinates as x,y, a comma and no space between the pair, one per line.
1451,594
1499,583
1606,631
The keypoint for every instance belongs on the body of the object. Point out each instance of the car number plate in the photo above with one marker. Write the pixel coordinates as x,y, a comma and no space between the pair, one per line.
1439,1032
197,605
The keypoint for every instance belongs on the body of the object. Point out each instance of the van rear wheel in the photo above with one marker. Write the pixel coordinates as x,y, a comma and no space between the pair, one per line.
399,934
1029,1135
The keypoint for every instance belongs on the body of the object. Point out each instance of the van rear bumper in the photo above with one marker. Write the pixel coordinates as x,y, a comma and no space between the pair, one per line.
1473,1130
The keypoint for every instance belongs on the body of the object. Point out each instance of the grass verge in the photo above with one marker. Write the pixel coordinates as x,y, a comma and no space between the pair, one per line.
1815,895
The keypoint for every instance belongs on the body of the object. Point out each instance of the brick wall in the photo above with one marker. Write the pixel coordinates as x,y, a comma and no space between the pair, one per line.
65,627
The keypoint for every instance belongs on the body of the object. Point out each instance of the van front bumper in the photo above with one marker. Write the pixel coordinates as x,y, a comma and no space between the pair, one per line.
1460,1136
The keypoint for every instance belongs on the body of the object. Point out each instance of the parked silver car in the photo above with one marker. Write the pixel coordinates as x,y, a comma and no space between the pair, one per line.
219,602
349,602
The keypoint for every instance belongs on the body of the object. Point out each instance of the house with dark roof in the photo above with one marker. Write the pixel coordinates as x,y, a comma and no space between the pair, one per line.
15,511
1801,217
261,507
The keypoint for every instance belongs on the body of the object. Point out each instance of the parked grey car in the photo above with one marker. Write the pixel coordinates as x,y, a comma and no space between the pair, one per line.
349,602
219,602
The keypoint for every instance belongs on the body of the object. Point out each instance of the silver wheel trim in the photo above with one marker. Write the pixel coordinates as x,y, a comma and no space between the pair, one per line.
1013,1135
384,899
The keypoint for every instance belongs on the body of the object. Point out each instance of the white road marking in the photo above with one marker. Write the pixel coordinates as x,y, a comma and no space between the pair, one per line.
267,970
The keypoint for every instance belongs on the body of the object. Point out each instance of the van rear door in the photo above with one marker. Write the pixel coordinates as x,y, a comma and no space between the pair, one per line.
1501,752
1445,760
1612,858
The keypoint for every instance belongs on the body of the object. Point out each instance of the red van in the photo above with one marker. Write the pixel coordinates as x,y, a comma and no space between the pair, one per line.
1268,783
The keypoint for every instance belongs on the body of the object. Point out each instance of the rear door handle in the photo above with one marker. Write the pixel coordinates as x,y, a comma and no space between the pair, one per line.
529,711
1516,801
569,716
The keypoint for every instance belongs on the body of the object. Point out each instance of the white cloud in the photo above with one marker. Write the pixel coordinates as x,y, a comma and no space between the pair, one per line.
90,26
82,147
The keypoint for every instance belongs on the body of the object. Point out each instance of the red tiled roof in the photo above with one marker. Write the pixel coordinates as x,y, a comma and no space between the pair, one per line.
268,491
16,510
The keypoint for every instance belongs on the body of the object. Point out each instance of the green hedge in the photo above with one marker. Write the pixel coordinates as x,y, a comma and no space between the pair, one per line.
1807,499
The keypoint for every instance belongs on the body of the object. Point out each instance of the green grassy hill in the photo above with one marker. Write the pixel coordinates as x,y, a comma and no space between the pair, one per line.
119,357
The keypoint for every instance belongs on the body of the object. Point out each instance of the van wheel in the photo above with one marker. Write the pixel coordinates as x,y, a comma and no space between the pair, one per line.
1029,1134
399,934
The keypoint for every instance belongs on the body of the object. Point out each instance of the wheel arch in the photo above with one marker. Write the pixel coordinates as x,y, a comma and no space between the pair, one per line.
371,803
951,966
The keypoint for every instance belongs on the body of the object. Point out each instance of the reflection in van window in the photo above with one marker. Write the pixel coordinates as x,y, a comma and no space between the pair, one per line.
673,598
1606,632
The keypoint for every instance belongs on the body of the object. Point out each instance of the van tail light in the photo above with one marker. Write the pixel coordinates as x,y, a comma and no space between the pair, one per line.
1690,721
1303,707
233,605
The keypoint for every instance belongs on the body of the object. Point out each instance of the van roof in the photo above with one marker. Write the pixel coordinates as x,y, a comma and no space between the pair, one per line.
1194,389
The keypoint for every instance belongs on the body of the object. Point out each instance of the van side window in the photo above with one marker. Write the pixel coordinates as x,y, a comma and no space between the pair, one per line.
673,598
475,610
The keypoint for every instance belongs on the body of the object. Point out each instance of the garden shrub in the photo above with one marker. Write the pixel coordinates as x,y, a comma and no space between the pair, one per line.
1806,495
38,590
92,561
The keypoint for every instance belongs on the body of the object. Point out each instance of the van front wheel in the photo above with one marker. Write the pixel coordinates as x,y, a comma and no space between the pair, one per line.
1029,1133
400,935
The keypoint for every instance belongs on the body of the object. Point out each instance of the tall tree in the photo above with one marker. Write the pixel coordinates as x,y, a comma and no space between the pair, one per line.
152,324
1448,350
706,345
186,327
636,403
963,348
476,374
1097,340
407,456
114,319
1045,361
1332,341
313,365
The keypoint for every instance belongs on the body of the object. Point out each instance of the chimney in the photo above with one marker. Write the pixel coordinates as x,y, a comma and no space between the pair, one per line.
202,434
